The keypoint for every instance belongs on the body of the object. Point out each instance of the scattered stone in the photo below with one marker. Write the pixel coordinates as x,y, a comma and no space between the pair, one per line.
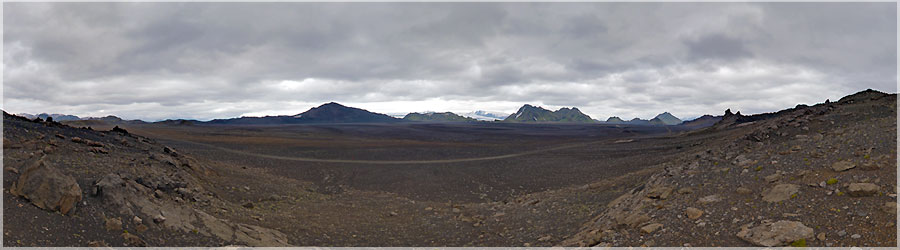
113,224
821,237
651,228
889,207
78,140
661,193
429,208
97,244
456,210
842,166
94,144
856,236
710,199
133,241
742,161
99,150
48,188
248,205
159,219
11,169
842,233
780,192
743,190
545,238
392,213
780,233
685,190
773,178
141,228
863,189
693,213
170,151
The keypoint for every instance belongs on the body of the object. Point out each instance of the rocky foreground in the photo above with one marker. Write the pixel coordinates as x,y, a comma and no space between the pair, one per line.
823,175
137,190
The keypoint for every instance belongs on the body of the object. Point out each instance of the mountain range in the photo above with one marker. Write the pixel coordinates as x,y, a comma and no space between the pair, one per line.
663,119
528,113
56,117
336,113
331,112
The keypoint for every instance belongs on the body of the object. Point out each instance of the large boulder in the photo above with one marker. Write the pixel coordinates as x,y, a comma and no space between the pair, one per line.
863,189
842,166
781,233
693,213
780,192
48,188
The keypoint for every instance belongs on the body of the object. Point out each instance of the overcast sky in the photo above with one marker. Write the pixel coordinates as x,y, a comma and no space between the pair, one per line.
218,60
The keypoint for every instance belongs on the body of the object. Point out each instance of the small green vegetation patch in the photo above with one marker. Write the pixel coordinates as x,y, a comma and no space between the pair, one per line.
831,181
799,243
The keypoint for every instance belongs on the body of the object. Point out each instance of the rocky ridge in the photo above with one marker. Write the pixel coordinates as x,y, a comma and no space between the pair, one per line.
96,178
785,179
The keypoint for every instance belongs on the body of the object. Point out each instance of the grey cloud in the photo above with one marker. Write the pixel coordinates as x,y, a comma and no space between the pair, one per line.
716,46
213,60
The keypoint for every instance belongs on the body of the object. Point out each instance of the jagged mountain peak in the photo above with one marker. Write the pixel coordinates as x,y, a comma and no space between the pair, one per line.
529,113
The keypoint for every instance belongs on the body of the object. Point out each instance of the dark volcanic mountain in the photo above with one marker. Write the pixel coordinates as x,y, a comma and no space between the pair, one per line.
638,121
665,119
327,113
703,121
336,113
530,113
615,120
660,120
106,120
437,117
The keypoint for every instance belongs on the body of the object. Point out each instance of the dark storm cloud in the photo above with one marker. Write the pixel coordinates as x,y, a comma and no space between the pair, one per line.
717,46
214,60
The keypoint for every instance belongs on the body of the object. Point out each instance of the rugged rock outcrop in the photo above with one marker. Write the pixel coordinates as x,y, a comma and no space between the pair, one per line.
134,199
